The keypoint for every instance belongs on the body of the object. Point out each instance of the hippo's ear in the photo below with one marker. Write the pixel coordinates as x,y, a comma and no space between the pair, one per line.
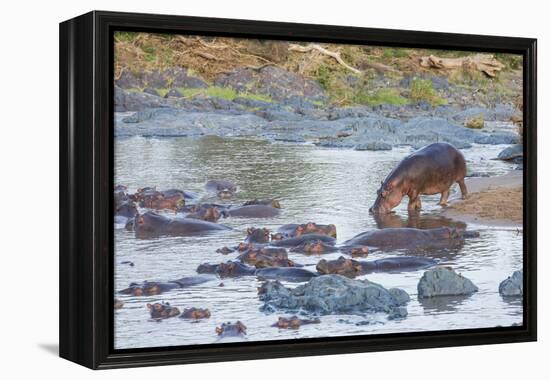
149,306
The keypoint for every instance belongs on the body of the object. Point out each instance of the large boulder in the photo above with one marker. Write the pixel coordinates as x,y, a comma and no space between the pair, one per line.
444,281
511,153
334,294
512,286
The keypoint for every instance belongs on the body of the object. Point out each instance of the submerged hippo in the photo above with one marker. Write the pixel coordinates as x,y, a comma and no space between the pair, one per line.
153,288
205,212
342,266
265,202
162,310
171,199
252,211
195,313
126,209
238,269
308,238
295,230
291,274
314,247
228,269
293,322
403,238
267,257
222,188
257,235
430,170
152,224
351,268
231,329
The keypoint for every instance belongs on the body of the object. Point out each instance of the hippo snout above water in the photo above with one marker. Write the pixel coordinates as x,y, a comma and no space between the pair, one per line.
222,188
430,170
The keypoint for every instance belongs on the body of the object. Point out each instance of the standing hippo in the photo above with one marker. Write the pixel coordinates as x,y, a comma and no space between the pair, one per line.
152,224
430,170
403,238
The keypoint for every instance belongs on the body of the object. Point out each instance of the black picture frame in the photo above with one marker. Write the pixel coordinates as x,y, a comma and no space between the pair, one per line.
86,183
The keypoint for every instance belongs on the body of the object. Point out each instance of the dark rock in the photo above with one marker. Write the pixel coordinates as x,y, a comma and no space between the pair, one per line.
512,286
444,281
272,81
129,80
331,294
150,91
173,93
374,145
511,153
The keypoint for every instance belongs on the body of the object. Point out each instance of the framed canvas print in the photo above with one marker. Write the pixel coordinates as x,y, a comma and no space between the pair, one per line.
238,189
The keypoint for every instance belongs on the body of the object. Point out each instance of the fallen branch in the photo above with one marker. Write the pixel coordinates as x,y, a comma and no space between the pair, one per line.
380,67
487,64
322,50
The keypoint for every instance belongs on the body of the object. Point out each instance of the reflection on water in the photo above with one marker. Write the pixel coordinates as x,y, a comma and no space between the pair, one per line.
312,184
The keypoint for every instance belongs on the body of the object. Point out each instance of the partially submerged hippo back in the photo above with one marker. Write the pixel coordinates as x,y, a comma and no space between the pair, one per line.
252,211
228,269
430,170
152,224
402,238
308,238
290,274
195,313
293,322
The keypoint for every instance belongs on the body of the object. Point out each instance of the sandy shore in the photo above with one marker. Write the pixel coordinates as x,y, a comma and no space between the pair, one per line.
493,201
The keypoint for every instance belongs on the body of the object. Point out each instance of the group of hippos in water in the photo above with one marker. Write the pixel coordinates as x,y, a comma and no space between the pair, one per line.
431,170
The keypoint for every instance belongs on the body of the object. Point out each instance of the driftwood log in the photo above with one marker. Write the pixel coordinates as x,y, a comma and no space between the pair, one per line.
485,63
322,50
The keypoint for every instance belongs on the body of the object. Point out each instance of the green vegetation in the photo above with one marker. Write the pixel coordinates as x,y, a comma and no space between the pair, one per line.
381,96
226,93
422,90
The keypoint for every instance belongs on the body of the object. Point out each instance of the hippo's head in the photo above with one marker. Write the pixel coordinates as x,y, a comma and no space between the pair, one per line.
212,214
258,235
314,247
388,197
195,313
231,329
225,193
162,310
359,252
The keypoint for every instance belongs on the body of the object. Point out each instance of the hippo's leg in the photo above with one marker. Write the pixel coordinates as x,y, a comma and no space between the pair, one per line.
444,197
463,189
414,202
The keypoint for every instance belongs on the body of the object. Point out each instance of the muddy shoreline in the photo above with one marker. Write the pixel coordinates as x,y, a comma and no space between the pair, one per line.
492,201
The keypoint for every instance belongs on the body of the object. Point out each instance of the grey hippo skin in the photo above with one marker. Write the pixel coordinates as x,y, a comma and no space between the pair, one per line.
152,224
402,238
152,288
351,268
307,238
238,269
430,170
252,211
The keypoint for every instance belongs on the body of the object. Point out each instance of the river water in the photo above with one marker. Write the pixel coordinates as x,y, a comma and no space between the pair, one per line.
312,184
